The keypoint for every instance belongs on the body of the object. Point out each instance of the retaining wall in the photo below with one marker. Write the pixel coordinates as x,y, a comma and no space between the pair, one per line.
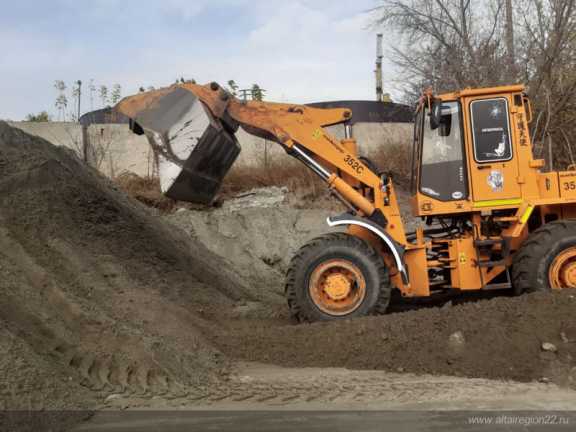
116,149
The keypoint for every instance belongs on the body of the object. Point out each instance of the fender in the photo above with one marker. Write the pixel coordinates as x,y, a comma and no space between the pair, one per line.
396,249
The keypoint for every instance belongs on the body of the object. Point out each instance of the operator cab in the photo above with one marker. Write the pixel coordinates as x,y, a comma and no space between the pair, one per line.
442,167
460,136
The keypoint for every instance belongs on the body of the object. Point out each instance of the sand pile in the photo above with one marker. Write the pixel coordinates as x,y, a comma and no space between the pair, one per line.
257,241
92,281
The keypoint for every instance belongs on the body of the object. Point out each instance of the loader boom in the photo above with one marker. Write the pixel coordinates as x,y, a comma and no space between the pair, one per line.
300,130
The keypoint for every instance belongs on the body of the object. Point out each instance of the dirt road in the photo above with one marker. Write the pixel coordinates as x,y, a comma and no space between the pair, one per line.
254,386
333,421
263,397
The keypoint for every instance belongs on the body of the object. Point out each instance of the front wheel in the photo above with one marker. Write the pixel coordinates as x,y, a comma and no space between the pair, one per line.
337,276
547,259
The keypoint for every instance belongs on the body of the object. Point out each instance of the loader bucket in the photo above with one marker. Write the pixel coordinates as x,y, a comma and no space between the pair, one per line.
195,149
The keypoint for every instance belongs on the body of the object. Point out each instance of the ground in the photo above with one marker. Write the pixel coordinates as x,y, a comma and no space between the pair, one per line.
257,386
110,304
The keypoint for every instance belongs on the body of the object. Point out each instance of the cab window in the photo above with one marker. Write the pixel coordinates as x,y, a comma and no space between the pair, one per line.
443,174
491,130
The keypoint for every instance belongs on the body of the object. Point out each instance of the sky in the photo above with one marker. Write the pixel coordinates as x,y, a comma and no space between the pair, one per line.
298,50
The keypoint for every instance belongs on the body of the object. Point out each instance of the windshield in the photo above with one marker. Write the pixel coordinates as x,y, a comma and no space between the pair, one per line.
443,175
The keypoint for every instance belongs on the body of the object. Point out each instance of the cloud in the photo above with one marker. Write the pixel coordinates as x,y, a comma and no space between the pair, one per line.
185,9
300,51
308,54
297,52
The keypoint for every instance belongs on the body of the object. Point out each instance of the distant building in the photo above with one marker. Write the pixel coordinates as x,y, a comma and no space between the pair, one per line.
103,116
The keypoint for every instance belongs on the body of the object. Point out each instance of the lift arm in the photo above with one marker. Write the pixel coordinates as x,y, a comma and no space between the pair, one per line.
298,128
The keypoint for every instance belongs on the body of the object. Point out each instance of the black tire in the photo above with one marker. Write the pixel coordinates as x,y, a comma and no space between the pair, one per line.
340,246
531,263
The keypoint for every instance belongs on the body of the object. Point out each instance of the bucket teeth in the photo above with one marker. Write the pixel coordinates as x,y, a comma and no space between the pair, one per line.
205,169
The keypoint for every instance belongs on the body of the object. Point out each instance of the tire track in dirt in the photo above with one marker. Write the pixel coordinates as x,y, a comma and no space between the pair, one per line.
268,387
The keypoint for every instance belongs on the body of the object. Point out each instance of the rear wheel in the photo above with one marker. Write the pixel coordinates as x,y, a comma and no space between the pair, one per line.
337,276
547,259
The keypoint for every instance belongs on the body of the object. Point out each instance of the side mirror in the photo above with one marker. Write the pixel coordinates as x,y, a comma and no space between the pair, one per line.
435,114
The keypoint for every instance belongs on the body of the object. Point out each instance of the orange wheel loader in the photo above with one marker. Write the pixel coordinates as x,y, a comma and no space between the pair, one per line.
496,221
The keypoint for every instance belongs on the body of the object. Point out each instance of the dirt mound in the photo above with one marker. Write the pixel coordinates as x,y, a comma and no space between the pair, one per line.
146,190
91,280
257,232
34,379
30,381
500,338
257,241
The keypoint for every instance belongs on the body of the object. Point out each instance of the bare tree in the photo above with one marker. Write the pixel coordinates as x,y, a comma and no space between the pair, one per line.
453,44
116,94
447,43
548,53
101,139
233,87
76,95
104,95
61,99
92,90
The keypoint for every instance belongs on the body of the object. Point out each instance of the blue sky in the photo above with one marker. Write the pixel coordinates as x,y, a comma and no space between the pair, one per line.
300,51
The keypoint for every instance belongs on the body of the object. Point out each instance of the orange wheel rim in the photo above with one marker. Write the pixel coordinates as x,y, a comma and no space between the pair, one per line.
562,272
337,287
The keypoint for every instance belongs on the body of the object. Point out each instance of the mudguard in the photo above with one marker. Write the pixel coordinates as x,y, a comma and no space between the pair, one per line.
396,249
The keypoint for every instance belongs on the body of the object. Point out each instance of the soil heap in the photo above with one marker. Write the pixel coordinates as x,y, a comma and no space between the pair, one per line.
522,338
95,290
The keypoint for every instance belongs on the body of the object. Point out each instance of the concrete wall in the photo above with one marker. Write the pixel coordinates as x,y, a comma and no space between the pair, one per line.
58,133
116,149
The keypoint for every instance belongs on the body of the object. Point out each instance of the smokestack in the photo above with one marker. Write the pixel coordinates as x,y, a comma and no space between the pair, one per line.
378,71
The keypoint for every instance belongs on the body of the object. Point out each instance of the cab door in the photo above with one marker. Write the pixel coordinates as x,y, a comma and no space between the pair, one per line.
493,168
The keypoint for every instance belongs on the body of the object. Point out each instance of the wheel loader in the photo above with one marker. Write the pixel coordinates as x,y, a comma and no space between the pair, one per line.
494,219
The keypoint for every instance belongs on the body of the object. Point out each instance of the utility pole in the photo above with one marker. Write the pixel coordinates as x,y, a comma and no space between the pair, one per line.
79,83
378,71
510,41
